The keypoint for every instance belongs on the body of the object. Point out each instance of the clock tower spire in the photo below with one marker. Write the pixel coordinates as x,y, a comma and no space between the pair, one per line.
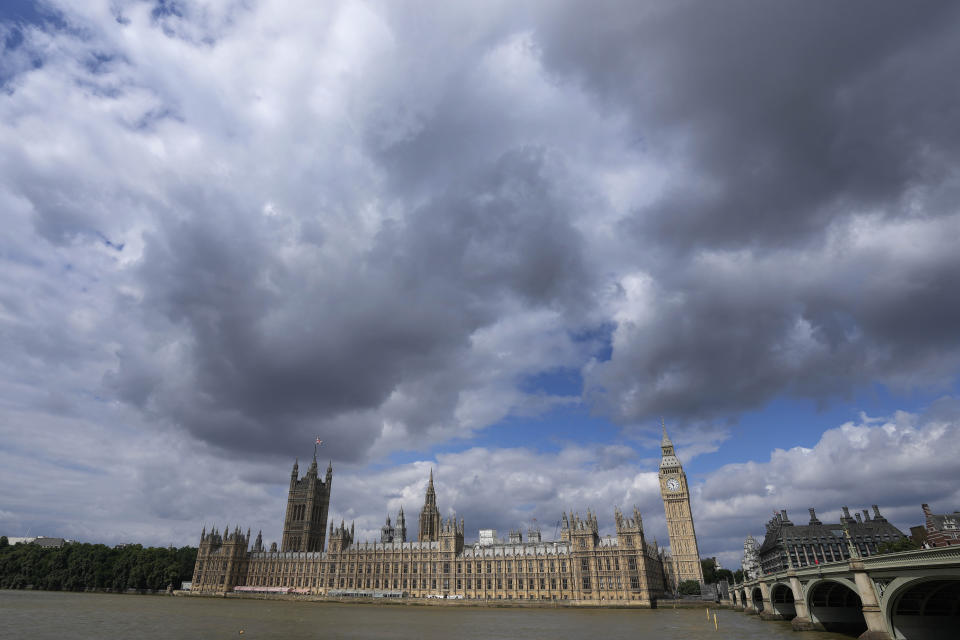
676,504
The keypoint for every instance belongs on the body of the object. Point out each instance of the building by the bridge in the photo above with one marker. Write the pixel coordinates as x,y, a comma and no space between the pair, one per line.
582,565
751,559
787,544
941,530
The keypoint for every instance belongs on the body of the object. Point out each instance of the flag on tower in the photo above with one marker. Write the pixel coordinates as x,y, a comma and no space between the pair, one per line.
319,441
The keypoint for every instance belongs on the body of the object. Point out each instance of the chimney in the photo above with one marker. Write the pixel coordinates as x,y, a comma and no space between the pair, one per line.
876,514
846,515
813,517
786,520
866,515
926,509
857,516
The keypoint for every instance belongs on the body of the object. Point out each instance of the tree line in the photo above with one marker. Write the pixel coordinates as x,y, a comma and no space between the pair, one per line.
81,566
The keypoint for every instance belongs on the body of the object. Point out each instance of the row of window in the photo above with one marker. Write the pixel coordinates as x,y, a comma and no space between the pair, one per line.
531,584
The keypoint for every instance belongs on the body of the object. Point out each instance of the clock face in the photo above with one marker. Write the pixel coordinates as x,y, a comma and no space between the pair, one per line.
673,484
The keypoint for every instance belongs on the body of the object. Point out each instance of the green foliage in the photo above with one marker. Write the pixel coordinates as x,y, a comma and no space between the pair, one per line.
738,576
712,575
4,542
903,544
76,567
689,588
709,566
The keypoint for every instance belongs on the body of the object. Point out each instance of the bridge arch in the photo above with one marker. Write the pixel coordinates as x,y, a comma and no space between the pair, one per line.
924,608
781,599
757,597
835,605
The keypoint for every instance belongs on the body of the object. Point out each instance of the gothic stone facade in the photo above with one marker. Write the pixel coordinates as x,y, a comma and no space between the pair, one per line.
580,566
676,504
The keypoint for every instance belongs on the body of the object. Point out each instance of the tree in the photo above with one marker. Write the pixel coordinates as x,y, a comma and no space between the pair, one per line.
724,574
738,576
4,542
689,588
709,566
903,544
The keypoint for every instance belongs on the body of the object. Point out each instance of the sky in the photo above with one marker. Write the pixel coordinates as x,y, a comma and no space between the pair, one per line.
500,240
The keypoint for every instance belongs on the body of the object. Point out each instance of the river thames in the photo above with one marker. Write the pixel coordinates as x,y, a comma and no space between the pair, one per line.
29,615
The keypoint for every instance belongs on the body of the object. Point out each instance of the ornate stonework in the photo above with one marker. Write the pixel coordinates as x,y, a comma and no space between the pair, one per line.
583,566
676,504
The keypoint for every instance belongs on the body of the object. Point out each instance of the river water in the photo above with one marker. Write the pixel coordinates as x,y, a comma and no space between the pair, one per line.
29,615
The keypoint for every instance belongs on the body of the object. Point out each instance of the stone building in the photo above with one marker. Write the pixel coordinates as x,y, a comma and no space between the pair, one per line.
751,559
676,504
941,530
789,545
581,566
308,501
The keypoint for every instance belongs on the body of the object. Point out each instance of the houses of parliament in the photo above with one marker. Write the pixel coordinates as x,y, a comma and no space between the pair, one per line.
581,566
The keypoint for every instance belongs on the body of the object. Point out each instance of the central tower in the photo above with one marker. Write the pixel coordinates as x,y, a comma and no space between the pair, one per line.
308,500
676,504
429,516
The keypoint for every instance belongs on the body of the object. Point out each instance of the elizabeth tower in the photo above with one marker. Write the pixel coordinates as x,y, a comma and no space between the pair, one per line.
676,503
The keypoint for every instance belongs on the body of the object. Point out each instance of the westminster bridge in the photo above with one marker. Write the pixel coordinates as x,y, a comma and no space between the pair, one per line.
910,595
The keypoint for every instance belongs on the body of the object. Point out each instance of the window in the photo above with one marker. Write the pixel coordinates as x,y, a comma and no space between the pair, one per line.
446,567
509,583
586,583
616,564
499,566
489,567
469,583
563,583
469,567
608,563
584,564
458,584
634,582
489,583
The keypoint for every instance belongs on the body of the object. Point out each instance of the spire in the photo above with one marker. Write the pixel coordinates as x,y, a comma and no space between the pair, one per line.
430,486
665,441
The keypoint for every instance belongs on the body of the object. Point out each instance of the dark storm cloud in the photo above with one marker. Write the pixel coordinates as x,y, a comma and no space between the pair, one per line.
793,131
353,204
786,115
275,354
